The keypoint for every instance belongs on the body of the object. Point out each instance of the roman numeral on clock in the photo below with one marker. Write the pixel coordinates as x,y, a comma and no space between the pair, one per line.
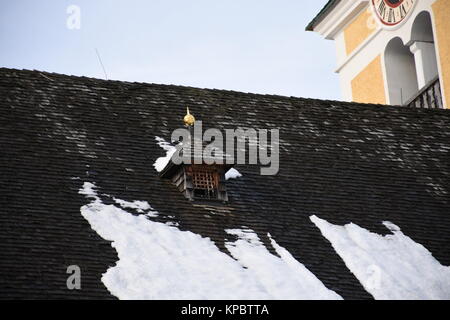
391,18
403,11
382,9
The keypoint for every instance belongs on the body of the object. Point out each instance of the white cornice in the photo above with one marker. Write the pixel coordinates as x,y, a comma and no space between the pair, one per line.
339,17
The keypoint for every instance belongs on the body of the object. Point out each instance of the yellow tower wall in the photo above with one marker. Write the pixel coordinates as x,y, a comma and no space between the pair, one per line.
441,11
359,30
368,85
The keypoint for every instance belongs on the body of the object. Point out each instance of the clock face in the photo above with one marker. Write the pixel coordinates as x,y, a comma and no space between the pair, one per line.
393,12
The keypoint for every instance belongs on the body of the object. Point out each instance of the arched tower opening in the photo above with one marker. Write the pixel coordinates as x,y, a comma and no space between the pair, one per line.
422,45
401,74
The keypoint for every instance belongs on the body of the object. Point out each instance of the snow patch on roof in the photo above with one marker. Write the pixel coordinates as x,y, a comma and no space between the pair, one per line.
389,267
139,206
89,191
162,162
246,235
283,277
159,261
232,174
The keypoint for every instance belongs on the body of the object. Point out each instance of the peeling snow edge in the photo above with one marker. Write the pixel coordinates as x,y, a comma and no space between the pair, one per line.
157,261
391,267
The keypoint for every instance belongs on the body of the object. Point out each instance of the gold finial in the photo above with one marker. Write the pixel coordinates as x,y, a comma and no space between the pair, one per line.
189,119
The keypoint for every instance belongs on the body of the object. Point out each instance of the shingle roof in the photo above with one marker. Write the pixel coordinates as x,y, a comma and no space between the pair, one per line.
330,5
344,162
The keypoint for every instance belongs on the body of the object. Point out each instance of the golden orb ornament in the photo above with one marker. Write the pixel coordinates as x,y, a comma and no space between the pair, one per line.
189,119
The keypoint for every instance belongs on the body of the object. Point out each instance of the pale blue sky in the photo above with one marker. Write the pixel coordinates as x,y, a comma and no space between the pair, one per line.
245,45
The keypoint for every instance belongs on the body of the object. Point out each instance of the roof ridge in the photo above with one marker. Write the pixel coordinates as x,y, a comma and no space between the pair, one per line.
292,99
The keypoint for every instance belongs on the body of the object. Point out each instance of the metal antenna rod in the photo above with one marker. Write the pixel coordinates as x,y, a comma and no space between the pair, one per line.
101,63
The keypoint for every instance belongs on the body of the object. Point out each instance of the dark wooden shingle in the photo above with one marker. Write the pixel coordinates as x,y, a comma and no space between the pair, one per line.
343,162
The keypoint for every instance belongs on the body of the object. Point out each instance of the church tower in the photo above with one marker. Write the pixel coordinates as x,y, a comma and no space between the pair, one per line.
393,52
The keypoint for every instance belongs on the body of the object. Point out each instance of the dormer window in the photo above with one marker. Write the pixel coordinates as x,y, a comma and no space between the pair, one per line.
199,182
205,181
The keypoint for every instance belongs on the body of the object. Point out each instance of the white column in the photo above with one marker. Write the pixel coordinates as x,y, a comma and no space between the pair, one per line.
426,62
